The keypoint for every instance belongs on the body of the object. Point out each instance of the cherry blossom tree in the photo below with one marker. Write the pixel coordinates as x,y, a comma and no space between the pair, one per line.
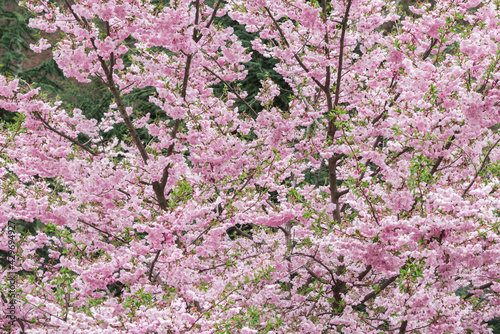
369,204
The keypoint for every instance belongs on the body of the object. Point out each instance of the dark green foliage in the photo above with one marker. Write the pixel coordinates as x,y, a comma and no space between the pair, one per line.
495,325
233,232
26,229
116,288
40,76
259,68
15,37
4,261
317,177
93,98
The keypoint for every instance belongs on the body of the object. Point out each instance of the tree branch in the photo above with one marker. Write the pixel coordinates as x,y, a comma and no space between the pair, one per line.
315,276
74,141
402,329
232,90
102,231
365,272
304,67
384,285
482,287
480,169
427,52
153,264
341,53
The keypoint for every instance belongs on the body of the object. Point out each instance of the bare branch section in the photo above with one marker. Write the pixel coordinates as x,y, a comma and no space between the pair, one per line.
341,53
108,71
384,285
440,159
151,268
482,287
315,276
402,329
212,17
365,272
427,52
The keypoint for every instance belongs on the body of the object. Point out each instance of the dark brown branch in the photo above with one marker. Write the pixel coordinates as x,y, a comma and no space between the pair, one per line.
402,329
108,71
341,54
153,264
242,233
340,288
482,287
159,187
185,80
197,14
427,52
384,285
364,272
212,17
406,149
332,128
481,168
232,90
203,233
74,141
334,198
315,276
372,209
440,159
164,177
379,117
434,169
197,35
67,297
123,113
339,194
328,69
102,231
319,262
202,312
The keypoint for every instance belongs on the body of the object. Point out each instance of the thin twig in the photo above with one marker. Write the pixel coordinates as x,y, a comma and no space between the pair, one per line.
232,90
74,141
481,168
102,231
304,67
482,287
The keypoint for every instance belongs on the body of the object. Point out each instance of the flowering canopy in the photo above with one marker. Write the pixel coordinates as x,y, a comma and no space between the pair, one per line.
368,204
